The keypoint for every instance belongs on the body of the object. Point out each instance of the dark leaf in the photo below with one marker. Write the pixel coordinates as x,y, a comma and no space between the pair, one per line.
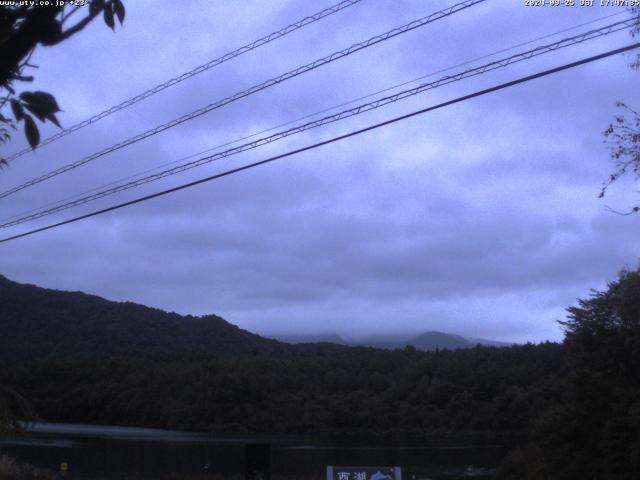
43,101
31,131
108,17
18,113
8,87
52,118
118,7
95,6
3,163
35,111
42,104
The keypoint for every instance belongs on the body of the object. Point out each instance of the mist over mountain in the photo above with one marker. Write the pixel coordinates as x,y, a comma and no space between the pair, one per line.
40,323
427,341
295,339
80,358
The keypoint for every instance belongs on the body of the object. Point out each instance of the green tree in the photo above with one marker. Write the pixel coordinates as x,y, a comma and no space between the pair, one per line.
22,29
603,332
593,429
603,337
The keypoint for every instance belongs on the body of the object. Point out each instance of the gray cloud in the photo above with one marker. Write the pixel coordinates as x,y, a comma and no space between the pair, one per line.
480,219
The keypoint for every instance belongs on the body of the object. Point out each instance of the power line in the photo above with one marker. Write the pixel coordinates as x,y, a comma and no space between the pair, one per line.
331,140
256,88
191,73
527,55
304,117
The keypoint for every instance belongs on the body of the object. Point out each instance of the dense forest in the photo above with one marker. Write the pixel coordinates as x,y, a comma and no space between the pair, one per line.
322,391
570,410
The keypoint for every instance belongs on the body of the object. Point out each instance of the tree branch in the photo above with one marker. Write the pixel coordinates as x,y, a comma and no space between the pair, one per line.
80,25
36,26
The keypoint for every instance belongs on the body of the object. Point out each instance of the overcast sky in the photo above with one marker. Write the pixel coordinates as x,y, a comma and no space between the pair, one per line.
480,219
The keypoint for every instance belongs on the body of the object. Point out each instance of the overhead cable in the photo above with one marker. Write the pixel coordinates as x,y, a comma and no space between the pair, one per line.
472,72
191,73
304,117
256,88
329,141
298,119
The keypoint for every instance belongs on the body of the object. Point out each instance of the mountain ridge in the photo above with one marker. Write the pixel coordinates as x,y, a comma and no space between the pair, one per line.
40,323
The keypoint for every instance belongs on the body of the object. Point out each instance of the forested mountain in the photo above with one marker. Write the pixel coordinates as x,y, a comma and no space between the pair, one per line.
41,323
569,411
38,323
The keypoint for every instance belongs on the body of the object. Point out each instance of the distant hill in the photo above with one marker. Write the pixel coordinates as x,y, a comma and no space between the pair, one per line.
320,338
38,323
427,341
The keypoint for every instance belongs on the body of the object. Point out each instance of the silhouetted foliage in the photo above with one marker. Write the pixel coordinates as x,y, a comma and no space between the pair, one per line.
23,27
593,429
623,134
12,407
623,137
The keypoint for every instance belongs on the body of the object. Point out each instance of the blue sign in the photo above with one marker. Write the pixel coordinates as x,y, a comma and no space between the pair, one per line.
363,473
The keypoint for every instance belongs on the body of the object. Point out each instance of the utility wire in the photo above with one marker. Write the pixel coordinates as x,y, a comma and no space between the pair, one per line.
310,115
256,88
191,73
527,55
331,140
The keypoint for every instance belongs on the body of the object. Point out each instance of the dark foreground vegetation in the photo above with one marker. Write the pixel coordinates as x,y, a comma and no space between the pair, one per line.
570,410
324,391
10,469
